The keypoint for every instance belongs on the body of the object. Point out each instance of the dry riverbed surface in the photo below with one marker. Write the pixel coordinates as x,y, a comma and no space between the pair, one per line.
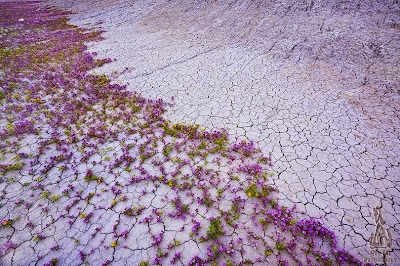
314,84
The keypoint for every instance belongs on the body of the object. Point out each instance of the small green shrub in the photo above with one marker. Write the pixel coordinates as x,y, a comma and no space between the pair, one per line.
215,229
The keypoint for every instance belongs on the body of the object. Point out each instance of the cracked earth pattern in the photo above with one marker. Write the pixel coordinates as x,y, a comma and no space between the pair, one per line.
110,181
316,83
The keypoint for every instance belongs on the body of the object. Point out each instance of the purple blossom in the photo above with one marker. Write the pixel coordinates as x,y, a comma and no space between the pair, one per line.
7,246
251,169
175,258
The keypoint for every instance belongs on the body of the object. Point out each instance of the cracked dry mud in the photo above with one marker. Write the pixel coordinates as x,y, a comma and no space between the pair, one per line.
314,83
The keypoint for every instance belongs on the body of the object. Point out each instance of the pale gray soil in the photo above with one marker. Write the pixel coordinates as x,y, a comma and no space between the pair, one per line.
314,82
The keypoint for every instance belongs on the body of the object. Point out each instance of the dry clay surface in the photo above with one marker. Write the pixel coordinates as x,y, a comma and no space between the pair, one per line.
314,83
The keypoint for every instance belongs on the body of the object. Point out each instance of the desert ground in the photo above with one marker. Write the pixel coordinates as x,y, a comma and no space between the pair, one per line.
314,86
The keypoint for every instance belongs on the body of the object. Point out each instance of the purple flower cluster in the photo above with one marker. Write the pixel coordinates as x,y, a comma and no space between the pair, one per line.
24,126
7,246
251,169
246,148
312,227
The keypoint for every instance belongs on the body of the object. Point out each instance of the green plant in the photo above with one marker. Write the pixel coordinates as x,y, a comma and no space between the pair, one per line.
55,198
263,222
252,191
215,229
267,252
280,246
45,194
15,167
229,263
167,150
91,177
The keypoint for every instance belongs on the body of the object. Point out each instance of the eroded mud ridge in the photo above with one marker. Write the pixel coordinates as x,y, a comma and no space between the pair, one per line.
91,172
